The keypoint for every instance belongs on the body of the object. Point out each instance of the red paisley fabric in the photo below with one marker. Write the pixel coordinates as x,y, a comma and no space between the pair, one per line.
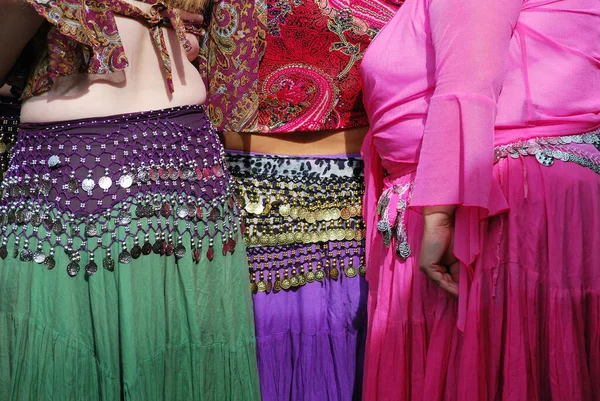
309,77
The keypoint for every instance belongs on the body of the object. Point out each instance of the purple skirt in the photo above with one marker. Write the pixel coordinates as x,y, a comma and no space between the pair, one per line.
304,236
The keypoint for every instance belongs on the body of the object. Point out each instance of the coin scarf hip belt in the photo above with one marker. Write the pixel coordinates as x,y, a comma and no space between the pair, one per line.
393,202
301,231
145,182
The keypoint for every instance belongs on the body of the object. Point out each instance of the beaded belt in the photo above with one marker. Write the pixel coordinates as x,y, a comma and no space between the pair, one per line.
301,227
394,200
145,179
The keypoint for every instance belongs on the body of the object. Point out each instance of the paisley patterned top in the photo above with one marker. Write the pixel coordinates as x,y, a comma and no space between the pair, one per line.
82,36
298,63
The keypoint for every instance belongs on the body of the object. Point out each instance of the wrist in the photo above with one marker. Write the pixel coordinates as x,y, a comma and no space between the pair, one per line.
444,209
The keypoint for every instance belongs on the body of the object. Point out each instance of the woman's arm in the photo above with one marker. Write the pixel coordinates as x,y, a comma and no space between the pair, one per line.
471,41
18,23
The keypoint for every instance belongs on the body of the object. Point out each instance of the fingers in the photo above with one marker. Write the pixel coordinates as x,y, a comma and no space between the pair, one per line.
436,259
191,17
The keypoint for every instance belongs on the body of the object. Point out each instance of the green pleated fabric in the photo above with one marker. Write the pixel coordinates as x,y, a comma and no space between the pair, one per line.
156,329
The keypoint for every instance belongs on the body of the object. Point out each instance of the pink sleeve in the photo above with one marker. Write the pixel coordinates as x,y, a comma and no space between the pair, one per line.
470,39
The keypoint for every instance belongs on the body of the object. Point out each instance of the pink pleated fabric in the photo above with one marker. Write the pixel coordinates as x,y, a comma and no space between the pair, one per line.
448,84
533,320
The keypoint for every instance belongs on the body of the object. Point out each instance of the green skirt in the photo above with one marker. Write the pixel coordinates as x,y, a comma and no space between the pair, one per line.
165,325
155,329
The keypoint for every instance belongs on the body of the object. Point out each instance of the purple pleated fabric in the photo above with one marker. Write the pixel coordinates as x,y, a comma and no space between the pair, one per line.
310,339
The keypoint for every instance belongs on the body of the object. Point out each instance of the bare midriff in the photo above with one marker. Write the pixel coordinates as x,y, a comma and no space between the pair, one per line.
140,87
344,141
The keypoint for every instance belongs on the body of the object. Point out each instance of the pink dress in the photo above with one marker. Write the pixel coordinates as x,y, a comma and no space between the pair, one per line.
492,105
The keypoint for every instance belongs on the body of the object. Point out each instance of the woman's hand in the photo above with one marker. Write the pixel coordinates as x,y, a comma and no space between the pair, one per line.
437,259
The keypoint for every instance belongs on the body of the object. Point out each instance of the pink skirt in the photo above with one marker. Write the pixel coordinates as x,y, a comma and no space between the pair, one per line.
533,317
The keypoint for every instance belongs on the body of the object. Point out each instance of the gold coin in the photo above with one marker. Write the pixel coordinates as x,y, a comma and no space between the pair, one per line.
310,276
310,218
298,237
294,281
335,213
340,234
250,207
319,215
334,273
285,284
269,287
254,240
320,275
314,237
284,210
323,236
3,147
306,238
272,240
349,234
282,238
362,270
262,286
345,213
294,212
302,212
351,271
358,235
289,238
331,235
253,287
277,286
301,279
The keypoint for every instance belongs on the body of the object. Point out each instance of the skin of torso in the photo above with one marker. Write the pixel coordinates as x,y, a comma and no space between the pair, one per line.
343,141
140,87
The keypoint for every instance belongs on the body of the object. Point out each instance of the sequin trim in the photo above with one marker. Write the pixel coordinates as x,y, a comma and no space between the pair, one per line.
547,149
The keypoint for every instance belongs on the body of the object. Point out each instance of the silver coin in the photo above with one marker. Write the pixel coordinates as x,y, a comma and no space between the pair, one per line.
126,181
49,263
180,251
88,184
125,257
142,175
182,212
124,217
403,250
26,255
108,263
105,182
73,269
91,268
53,161
91,230
39,257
